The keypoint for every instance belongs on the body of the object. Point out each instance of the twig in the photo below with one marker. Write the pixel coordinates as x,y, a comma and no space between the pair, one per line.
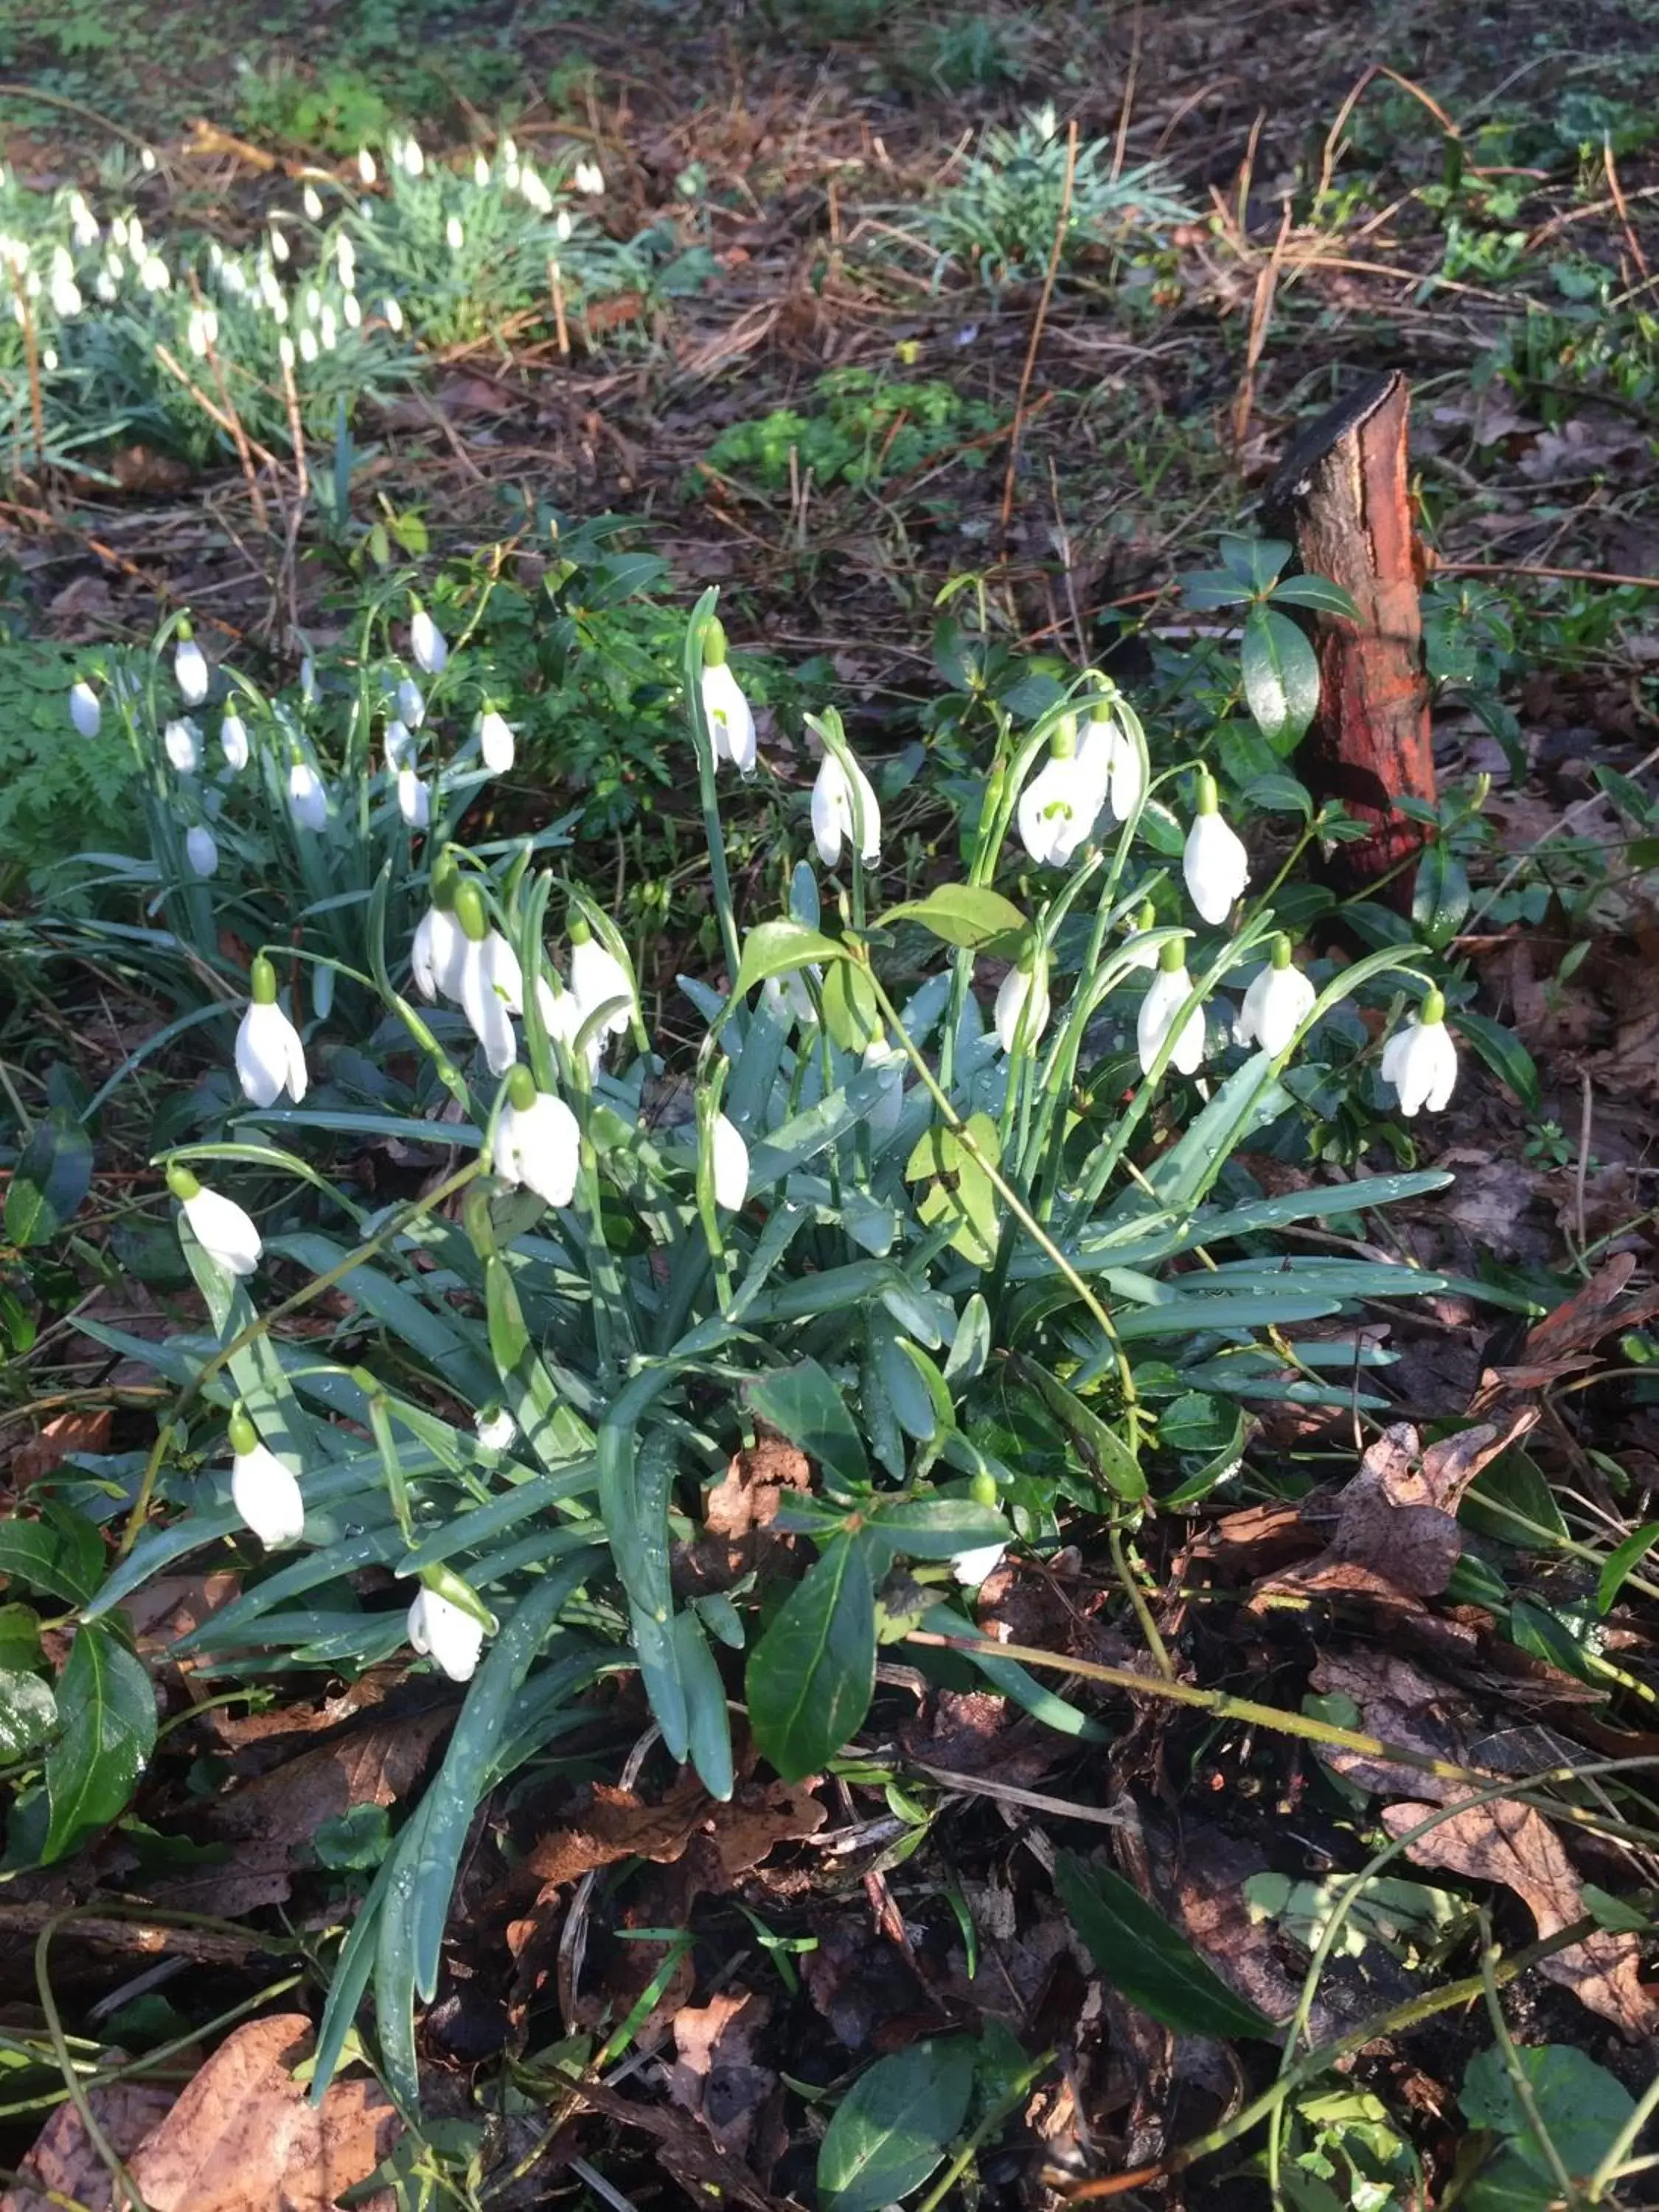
228,420
295,431
1618,192
555,285
1129,83
32,357
1262,310
1538,568
1056,250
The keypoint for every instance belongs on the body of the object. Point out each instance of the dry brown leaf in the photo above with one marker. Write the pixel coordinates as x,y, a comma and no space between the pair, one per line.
1558,1345
619,1825
64,1434
703,2170
716,2075
244,2137
1514,1845
1403,1705
63,2158
1397,1535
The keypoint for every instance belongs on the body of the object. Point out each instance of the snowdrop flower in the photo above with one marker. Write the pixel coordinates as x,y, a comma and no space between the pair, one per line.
414,798
426,642
481,171
285,351
400,746
308,800
1058,805
598,978
308,681
66,299
365,169
414,161
1421,1060
278,245
729,1160
788,997
232,741
328,328
1278,1002
1166,994
311,201
495,1428
200,850
352,309
201,330
834,807
85,712
411,703
562,1017
495,742
589,177
308,347
219,1225
1106,740
1022,1007
563,226
731,721
438,948
535,192
190,672
970,1568
182,750
85,223
454,235
1215,864
486,980
153,273
147,157
345,255
264,1492
269,1057
439,1627
393,315
538,1141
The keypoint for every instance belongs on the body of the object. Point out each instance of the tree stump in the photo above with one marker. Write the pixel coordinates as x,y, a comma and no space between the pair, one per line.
1342,496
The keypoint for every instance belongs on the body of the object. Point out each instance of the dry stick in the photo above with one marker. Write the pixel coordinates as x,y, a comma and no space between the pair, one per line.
1129,83
556,288
1538,568
296,432
1618,192
228,420
32,356
1038,320
1262,310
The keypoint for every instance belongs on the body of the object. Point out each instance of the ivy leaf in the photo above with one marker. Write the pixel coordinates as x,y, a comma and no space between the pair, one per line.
811,1677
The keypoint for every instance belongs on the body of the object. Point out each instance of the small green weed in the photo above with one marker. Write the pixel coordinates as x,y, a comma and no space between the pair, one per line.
866,432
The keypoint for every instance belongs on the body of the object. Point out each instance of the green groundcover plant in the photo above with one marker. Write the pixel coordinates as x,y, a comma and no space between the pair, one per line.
946,1196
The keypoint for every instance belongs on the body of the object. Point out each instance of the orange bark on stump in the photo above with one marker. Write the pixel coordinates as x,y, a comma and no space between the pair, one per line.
1342,495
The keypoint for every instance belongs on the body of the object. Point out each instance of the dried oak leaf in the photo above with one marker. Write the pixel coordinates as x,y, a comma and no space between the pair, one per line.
1560,1343
1514,1845
63,2159
1397,1535
715,2073
245,2136
62,1437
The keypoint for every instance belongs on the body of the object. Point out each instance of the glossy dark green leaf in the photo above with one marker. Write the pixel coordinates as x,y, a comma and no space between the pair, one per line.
1102,1450
1147,1959
1622,1563
28,1715
968,914
20,1639
895,2124
1317,593
939,1527
1441,895
801,1402
107,1707
811,1677
52,1175
1281,675
1580,2104
1502,1052
62,1553
1278,794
